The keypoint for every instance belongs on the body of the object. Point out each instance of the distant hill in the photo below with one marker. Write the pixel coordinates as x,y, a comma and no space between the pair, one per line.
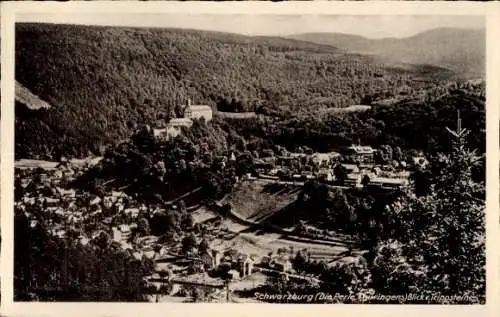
103,82
459,50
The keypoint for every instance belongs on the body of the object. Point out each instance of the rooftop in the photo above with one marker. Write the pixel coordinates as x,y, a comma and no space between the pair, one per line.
199,107
362,149
387,180
180,121
280,260
200,278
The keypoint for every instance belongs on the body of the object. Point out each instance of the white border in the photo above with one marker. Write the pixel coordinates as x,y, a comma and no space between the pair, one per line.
259,7
491,10
7,155
492,159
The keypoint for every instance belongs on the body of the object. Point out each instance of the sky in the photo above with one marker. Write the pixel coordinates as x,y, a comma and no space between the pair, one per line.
370,26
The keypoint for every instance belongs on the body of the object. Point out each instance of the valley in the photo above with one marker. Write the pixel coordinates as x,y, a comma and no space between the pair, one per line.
182,165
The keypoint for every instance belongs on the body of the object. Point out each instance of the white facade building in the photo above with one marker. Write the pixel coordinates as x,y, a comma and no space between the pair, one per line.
198,111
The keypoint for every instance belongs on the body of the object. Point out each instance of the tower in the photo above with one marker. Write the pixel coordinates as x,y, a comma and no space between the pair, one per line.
216,258
187,109
249,266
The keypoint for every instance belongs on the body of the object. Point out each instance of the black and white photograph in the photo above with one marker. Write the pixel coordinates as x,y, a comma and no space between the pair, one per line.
250,158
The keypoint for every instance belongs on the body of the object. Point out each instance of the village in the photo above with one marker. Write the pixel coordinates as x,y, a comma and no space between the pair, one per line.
204,253
358,162
117,220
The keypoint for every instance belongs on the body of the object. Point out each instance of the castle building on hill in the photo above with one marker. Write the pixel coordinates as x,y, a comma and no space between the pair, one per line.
198,111
180,122
173,128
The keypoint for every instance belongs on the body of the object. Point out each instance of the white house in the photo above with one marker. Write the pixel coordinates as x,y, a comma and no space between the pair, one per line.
281,264
364,154
198,111
173,128
149,252
234,274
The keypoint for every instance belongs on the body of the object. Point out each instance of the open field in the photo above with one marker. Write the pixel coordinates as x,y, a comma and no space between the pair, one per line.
353,108
28,164
261,243
202,214
31,164
236,115
259,200
255,280
264,243
26,97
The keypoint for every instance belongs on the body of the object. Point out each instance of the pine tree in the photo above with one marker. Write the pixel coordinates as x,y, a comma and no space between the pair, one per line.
443,232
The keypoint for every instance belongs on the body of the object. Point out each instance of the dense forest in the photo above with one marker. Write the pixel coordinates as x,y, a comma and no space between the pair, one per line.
103,82
416,123
160,170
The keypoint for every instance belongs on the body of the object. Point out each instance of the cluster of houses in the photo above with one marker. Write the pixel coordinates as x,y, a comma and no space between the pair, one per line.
376,176
240,264
225,264
299,167
69,211
116,216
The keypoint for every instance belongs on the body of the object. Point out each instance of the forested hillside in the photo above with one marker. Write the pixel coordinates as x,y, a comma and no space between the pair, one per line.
102,82
415,123
459,50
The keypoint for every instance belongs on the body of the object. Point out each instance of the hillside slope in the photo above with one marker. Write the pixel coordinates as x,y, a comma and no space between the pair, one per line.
102,81
461,51
417,123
